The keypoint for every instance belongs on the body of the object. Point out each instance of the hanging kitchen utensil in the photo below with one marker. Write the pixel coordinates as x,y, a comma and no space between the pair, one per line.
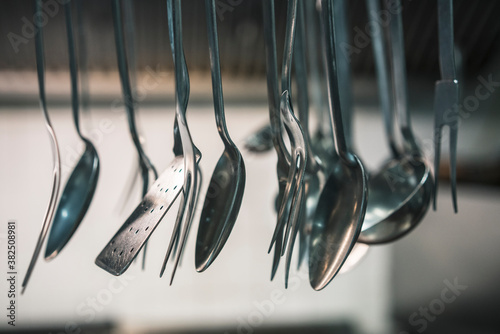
401,190
342,203
119,253
314,176
446,98
191,153
80,187
56,172
225,191
145,164
292,202
282,166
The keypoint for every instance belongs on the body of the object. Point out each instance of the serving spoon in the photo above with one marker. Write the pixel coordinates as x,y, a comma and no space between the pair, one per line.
342,203
223,199
56,172
401,190
80,187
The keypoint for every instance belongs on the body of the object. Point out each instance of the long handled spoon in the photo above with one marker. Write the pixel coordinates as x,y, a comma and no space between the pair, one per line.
227,184
80,188
56,172
446,98
342,203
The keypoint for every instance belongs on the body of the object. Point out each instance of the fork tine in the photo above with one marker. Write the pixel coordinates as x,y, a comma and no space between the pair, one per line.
453,164
294,231
175,234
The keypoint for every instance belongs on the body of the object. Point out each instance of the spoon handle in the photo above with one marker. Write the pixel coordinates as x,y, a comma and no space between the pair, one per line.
56,172
328,27
343,69
73,69
213,47
399,80
383,81
286,68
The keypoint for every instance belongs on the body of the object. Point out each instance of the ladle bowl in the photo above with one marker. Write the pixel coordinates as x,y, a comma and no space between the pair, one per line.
400,194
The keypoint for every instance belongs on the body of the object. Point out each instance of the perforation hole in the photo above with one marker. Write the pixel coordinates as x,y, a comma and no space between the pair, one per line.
166,190
114,250
112,242
152,210
175,187
121,253
147,228
130,229
180,170
161,189
161,207
137,231
132,250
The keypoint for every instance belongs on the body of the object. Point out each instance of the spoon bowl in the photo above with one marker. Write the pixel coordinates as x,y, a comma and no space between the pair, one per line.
222,204
75,201
337,222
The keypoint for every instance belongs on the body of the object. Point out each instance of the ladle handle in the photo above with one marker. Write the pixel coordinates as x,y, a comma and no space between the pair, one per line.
328,29
383,79
399,80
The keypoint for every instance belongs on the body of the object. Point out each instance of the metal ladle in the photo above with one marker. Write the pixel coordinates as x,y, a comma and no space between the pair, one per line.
223,200
56,172
400,192
342,203
80,188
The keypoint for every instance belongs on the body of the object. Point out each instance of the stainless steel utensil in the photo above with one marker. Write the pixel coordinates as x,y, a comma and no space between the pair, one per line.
145,164
291,205
446,98
401,191
80,188
223,199
191,179
314,176
282,165
121,250
56,172
342,203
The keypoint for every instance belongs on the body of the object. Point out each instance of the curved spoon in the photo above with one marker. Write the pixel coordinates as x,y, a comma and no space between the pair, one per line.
56,172
402,188
223,200
342,203
80,188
